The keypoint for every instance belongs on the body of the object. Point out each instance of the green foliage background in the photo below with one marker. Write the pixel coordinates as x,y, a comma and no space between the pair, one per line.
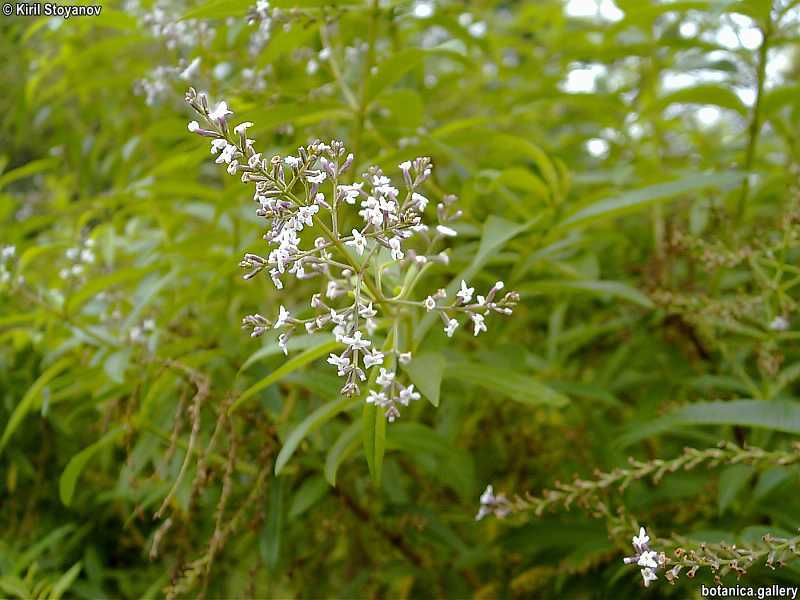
651,270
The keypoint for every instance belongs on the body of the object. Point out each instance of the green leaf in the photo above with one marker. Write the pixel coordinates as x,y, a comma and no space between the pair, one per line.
31,396
37,166
289,366
708,93
116,364
516,386
219,9
517,146
93,287
393,70
613,289
639,199
16,587
75,466
272,534
426,371
453,466
312,422
761,414
65,581
374,440
41,546
311,491
295,343
732,481
342,448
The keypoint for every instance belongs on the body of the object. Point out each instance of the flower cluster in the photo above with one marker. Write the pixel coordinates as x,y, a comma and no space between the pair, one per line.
7,254
649,560
355,237
498,505
261,18
159,82
177,33
139,334
79,258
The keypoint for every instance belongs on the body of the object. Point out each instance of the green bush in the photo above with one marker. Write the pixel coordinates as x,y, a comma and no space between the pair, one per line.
628,169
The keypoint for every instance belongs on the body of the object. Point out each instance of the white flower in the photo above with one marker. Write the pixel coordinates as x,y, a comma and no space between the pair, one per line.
465,293
241,128
407,394
292,161
366,311
779,324
641,540
373,358
451,327
359,242
430,303
8,252
377,398
254,160
283,318
234,164
87,256
491,504
355,342
648,559
226,155
499,285
420,201
404,358
282,339
306,214
648,575
371,326
350,193
487,497
316,177
396,251
446,231
332,291
220,111
385,378
194,126
276,280
341,362
217,145
479,323
72,253
189,72
149,325
405,166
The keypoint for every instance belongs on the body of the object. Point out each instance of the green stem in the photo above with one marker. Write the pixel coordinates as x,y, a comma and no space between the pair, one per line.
369,61
756,117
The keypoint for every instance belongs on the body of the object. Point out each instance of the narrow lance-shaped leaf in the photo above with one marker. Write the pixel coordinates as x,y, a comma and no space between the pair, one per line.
638,199
425,371
69,477
289,366
26,404
343,447
312,422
